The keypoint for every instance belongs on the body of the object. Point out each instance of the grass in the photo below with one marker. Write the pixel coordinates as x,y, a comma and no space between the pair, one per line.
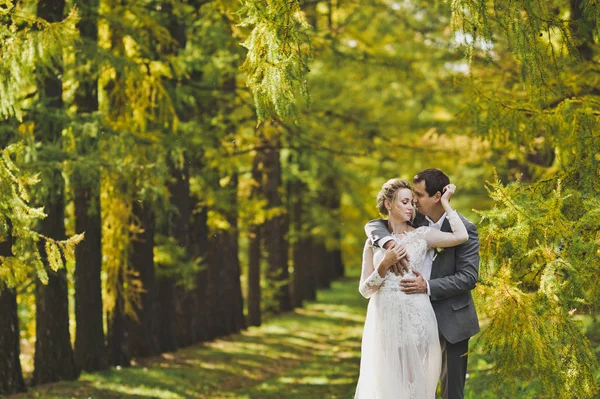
313,352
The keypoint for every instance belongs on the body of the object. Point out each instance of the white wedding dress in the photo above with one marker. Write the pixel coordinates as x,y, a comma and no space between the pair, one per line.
401,355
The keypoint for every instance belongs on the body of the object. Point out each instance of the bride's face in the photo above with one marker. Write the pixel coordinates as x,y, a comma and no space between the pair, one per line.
402,208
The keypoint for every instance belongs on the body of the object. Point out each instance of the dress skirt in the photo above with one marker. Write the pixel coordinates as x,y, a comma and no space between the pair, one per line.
401,356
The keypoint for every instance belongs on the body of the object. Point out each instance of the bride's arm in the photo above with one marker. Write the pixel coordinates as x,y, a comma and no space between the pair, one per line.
370,280
371,277
459,232
437,239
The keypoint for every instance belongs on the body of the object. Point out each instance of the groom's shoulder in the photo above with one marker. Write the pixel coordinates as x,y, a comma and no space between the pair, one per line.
468,224
377,221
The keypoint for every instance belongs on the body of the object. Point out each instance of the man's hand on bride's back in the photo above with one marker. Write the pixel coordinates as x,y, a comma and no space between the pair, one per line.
401,266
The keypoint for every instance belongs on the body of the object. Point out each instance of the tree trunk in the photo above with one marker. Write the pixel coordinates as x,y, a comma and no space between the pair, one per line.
275,231
236,321
213,288
199,250
337,264
304,260
339,269
54,359
254,289
165,305
328,260
299,250
303,281
11,375
179,229
118,353
184,301
165,311
117,334
142,333
322,264
89,335
254,256
321,256
224,288
312,265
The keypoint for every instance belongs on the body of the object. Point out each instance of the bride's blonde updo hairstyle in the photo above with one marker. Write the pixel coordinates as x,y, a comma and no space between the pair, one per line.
389,191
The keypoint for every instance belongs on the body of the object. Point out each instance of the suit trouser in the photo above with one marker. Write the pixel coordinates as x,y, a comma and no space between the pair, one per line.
454,368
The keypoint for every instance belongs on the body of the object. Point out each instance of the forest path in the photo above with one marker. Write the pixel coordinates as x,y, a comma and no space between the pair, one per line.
313,352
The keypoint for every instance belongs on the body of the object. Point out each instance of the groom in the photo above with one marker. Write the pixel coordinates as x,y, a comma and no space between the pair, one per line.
448,276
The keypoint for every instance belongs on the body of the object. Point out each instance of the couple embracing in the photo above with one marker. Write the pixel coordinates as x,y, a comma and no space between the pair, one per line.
418,271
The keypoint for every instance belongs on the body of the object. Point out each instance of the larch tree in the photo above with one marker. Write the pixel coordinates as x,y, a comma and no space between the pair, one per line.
540,240
31,48
54,358
90,352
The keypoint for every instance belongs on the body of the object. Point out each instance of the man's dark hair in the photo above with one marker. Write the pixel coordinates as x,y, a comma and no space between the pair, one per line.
435,180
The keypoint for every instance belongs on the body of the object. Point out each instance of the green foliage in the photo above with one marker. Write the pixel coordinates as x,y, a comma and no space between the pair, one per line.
133,176
134,130
172,261
117,229
539,267
534,99
132,69
18,218
538,33
30,46
278,55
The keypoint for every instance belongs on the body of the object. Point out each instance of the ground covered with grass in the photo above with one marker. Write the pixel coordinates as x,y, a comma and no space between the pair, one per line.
311,353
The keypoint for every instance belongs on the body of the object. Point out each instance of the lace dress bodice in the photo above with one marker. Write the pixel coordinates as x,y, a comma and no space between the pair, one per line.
416,242
415,245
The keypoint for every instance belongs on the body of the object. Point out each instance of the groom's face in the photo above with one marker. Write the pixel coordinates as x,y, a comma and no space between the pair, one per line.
425,204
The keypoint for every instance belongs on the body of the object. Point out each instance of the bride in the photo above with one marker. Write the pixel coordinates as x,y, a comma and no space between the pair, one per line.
401,355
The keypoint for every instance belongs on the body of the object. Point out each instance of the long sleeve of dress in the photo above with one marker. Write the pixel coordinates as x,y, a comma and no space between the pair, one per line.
370,280
442,239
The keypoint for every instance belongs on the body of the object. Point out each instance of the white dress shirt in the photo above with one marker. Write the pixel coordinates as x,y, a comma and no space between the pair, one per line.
430,256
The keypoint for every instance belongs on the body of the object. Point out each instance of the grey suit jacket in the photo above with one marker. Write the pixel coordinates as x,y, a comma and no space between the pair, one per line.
454,274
